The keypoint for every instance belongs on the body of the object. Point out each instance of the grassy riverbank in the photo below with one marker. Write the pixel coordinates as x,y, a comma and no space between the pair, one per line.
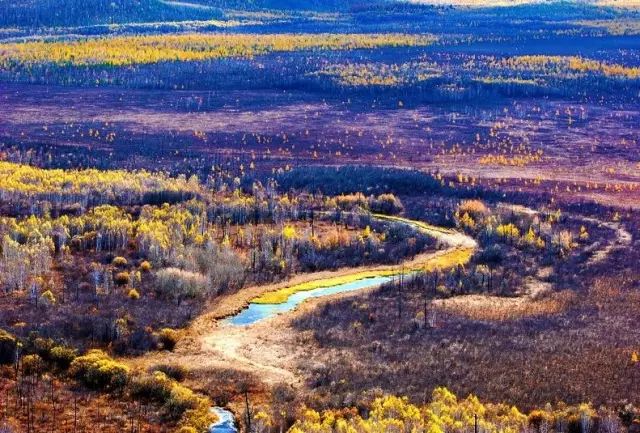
447,260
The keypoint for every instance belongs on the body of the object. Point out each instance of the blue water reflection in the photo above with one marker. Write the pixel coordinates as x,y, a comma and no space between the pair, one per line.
257,312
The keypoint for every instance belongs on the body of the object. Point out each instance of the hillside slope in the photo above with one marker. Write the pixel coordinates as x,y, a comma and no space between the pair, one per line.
46,13
39,14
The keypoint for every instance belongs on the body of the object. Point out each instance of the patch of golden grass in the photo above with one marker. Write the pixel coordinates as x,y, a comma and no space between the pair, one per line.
496,308
418,224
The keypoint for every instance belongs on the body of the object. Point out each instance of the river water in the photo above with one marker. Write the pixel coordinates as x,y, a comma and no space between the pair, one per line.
257,312
225,423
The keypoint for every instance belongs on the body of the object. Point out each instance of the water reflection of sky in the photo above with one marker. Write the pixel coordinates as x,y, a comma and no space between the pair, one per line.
257,312
225,423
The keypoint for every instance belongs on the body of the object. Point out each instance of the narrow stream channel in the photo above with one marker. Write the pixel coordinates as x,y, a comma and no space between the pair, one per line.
257,312
225,423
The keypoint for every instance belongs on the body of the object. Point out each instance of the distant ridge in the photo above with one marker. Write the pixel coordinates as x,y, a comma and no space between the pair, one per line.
91,12
60,13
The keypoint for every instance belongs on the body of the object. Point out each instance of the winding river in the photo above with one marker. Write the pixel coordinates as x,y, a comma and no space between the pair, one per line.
459,250
256,312
225,423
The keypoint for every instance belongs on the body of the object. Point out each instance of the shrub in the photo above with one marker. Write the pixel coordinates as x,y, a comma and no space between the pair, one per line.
537,417
8,346
41,346
224,267
133,295
584,234
174,371
387,204
146,266
492,256
168,338
107,373
475,208
465,221
180,400
176,283
122,278
351,201
98,370
32,364
119,262
508,231
47,299
198,418
62,356
156,387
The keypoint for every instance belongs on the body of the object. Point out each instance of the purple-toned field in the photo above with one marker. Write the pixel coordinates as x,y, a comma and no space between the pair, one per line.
512,138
